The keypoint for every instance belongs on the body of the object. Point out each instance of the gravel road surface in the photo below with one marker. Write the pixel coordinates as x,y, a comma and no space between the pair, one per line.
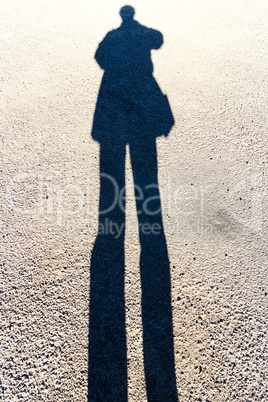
213,180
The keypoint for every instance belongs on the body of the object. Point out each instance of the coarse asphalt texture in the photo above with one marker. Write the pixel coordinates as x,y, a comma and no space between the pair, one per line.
212,171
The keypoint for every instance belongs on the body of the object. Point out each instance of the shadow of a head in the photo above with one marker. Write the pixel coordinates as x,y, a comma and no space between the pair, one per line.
127,13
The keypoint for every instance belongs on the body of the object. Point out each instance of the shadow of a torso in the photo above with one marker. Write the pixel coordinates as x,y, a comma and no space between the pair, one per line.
130,103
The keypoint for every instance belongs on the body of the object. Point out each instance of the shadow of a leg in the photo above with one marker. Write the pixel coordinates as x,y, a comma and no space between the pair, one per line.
157,323
155,278
107,334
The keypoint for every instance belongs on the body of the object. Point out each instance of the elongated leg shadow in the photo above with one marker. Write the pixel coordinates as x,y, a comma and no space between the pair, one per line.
107,333
155,278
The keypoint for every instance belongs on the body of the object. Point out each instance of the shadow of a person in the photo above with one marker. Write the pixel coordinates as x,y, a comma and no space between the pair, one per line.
131,109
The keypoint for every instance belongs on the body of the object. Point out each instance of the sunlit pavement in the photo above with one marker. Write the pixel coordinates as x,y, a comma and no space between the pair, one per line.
213,176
